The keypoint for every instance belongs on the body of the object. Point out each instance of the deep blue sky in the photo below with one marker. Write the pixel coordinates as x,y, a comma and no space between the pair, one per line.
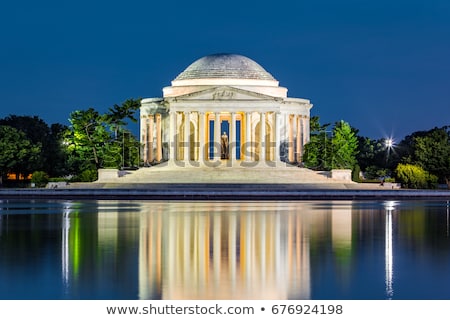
383,66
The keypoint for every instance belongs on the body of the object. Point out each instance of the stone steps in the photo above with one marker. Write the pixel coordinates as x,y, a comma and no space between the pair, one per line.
166,174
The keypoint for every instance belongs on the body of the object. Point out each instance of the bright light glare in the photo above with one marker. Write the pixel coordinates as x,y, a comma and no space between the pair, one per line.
390,205
389,142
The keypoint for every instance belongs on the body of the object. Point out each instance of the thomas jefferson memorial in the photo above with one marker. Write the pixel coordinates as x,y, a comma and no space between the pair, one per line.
224,108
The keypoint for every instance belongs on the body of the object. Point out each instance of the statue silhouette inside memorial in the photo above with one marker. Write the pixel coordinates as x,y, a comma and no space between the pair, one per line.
224,146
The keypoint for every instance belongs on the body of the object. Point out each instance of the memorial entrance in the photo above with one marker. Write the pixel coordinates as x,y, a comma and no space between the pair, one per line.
224,107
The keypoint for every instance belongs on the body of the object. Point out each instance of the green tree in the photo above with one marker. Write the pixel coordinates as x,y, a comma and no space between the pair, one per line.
19,155
101,140
88,135
52,156
40,179
373,154
331,149
56,164
118,115
315,126
432,152
429,150
317,154
344,146
414,177
314,155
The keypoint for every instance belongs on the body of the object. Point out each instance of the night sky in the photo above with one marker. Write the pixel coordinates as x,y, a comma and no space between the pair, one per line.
383,66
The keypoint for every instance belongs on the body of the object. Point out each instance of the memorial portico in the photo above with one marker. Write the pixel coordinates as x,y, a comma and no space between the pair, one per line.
224,108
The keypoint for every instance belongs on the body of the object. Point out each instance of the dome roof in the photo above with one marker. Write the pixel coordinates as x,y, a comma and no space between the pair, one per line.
225,66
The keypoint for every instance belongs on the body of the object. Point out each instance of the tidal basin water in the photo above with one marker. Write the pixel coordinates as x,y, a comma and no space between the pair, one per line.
224,250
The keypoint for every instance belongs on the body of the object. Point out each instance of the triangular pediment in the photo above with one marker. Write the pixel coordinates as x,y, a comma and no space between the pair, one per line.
225,93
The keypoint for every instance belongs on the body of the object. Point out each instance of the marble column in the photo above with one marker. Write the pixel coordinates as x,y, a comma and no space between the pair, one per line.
201,138
277,136
291,139
144,129
149,143
187,133
233,136
217,141
248,136
172,135
262,138
299,137
158,138
306,130
303,140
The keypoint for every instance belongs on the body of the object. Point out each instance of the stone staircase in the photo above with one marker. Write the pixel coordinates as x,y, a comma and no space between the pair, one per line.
222,174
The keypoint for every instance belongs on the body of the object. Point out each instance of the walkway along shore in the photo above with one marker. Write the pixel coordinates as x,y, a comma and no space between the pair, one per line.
249,192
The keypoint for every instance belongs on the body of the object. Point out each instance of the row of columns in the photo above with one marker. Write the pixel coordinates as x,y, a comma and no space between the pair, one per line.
296,125
151,130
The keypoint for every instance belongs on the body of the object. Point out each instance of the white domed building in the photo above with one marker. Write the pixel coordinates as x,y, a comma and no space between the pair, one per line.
224,108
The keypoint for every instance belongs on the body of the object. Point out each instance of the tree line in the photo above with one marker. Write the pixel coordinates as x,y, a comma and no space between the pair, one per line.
96,140
93,140
420,160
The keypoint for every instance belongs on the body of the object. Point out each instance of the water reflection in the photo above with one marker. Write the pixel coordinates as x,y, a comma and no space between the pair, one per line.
224,254
389,206
224,250
448,220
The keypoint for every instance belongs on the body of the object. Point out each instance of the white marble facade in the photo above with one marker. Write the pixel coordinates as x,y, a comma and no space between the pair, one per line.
213,111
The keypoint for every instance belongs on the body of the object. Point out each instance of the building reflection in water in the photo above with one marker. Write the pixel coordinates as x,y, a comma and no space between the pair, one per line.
224,251
204,250
341,229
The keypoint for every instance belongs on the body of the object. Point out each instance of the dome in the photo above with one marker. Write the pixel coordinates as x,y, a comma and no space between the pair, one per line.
225,66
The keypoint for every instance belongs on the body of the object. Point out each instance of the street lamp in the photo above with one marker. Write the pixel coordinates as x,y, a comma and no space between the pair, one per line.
389,143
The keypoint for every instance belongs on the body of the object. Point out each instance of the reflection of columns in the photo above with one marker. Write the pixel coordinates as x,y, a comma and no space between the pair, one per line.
217,237
187,245
298,261
204,249
298,121
260,237
232,245
217,143
262,139
277,136
172,137
201,138
233,136
150,254
277,248
158,139
247,254
291,139
248,136
341,230
187,133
